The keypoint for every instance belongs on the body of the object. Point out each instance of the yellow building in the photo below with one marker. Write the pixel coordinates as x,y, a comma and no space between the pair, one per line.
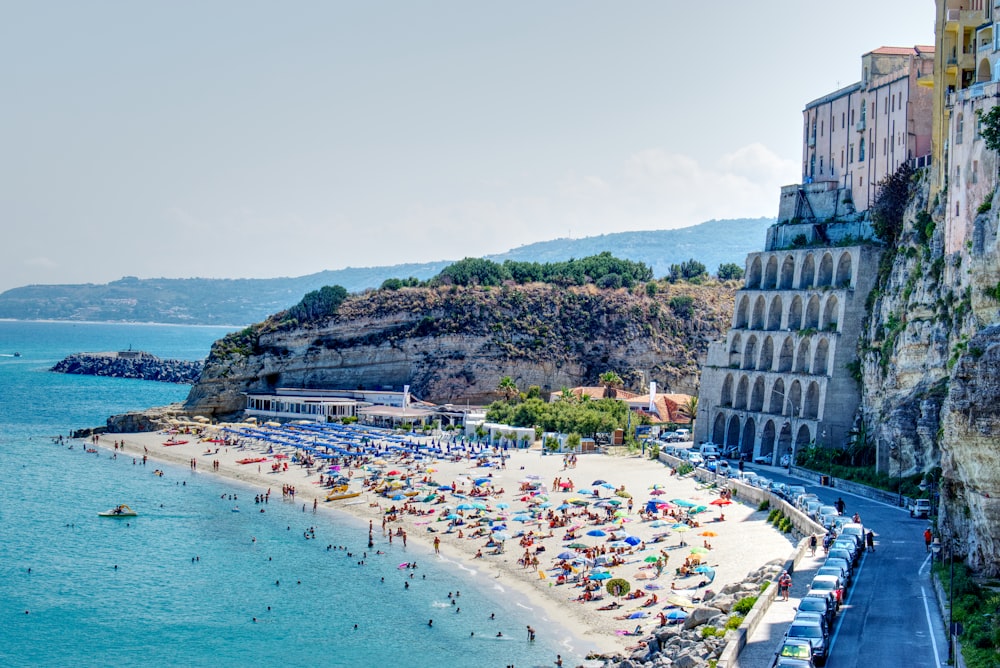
964,43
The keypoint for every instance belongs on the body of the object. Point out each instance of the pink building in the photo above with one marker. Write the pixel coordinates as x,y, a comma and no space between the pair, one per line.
856,136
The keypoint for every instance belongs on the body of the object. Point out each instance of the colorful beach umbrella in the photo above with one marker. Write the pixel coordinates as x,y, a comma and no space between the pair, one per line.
720,502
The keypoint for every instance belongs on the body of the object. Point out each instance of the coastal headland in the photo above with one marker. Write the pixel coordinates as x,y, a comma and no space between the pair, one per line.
729,539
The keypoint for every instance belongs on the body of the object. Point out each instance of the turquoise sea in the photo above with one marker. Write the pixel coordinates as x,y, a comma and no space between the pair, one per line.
181,584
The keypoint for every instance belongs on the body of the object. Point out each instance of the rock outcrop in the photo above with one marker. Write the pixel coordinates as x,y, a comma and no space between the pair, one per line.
453,344
130,364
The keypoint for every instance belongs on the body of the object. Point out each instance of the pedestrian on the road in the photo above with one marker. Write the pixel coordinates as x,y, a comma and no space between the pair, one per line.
812,545
840,505
784,585
870,539
928,537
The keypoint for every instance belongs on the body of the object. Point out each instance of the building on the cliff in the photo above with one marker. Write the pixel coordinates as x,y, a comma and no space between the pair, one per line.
854,137
782,377
965,47
664,408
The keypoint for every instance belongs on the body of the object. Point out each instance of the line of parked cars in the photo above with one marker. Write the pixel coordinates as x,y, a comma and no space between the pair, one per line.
807,640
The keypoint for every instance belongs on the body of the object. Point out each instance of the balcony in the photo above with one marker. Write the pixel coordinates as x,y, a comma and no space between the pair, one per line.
812,141
860,126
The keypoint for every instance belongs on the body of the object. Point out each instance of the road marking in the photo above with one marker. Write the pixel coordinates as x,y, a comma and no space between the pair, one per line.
926,566
930,627
840,617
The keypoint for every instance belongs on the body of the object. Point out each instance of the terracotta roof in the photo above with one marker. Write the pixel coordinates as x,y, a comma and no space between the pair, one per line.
902,50
668,407
595,393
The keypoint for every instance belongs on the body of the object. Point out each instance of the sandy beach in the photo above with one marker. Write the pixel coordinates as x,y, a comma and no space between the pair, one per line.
731,547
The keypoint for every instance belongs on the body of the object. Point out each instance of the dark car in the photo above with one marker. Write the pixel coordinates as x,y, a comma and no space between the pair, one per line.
842,566
817,604
849,545
811,630
829,595
838,553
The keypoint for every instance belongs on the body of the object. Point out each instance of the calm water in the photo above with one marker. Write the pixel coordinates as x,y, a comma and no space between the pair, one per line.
160,608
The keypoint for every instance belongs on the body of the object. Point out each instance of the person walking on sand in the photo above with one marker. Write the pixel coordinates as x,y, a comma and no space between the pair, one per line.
437,545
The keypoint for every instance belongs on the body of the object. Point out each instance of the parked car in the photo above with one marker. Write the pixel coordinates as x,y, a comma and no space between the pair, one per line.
794,650
812,631
829,583
849,545
814,617
794,492
811,507
843,564
695,458
723,468
840,553
802,499
835,571
828,594
818,604
855,531
920,508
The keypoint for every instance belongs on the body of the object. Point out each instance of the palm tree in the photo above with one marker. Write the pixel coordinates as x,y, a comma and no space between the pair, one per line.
611,381
507,387
690,409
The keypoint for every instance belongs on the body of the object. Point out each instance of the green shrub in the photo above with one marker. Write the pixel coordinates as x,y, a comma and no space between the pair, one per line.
734,622
709,632
744,605
764,505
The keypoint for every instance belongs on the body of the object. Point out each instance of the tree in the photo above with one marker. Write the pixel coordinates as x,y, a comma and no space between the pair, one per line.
890,203
690,409
729,271
611,381
689,270
990,128
507,387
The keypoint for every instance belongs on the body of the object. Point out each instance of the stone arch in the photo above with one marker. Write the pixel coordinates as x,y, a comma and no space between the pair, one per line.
757,396
736,350
777,403
742,313
795,313
812,314
759,307
750,353
984,71
727,391
719,429
844,270
787,355
774,314
803,438
825,277
807,275
812,401
821,357
770,274
767,438
831,313
784,445
754,273
787,273
742,392
802,359
766,355
795,399
748,441
733,432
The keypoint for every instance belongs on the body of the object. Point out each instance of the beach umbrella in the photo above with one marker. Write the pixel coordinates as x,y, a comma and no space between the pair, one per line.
699,550
652,586
697,509
680,601
683,503
599,482
639,614
596,532
720,502
607,485
633,541
500,535
601,576
643,575
545,504
600,569
451,516
522,518
676,615
577,546
651,558
659,523
618,543
708,533
681,528
567,555
503,506
579,502
465,506
704,569
565,484
657,492
479,505
614,502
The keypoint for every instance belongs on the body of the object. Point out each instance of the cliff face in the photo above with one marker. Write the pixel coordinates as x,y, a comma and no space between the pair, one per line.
931,372
453,344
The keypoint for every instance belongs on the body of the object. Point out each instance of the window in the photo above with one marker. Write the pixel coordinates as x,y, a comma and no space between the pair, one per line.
959,124
821,128
975,171
841,158
885,149
864,110
861,150
843,117
850,154
820,164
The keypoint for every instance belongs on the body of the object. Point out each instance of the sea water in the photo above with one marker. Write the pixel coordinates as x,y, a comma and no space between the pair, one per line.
189,581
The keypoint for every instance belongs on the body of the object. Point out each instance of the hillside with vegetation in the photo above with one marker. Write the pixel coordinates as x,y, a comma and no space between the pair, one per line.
453,338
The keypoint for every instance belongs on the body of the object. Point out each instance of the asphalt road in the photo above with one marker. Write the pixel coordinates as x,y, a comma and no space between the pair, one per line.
890,616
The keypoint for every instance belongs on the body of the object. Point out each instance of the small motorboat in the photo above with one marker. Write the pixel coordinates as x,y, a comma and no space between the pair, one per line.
119,511
16,354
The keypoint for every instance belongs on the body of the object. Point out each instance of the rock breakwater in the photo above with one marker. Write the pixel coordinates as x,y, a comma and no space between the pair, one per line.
131,364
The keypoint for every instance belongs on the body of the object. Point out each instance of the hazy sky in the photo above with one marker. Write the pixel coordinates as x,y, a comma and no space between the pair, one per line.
259,139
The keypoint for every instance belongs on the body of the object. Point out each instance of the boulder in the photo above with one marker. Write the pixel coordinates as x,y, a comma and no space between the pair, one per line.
699,616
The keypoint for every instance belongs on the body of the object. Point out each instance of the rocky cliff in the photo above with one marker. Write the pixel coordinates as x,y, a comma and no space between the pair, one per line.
453,344
930,371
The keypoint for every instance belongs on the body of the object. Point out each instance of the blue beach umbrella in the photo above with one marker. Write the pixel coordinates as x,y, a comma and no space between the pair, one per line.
601,576
596,532
638,615
633,541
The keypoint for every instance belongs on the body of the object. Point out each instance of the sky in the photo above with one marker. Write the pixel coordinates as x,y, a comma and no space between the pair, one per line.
235,139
